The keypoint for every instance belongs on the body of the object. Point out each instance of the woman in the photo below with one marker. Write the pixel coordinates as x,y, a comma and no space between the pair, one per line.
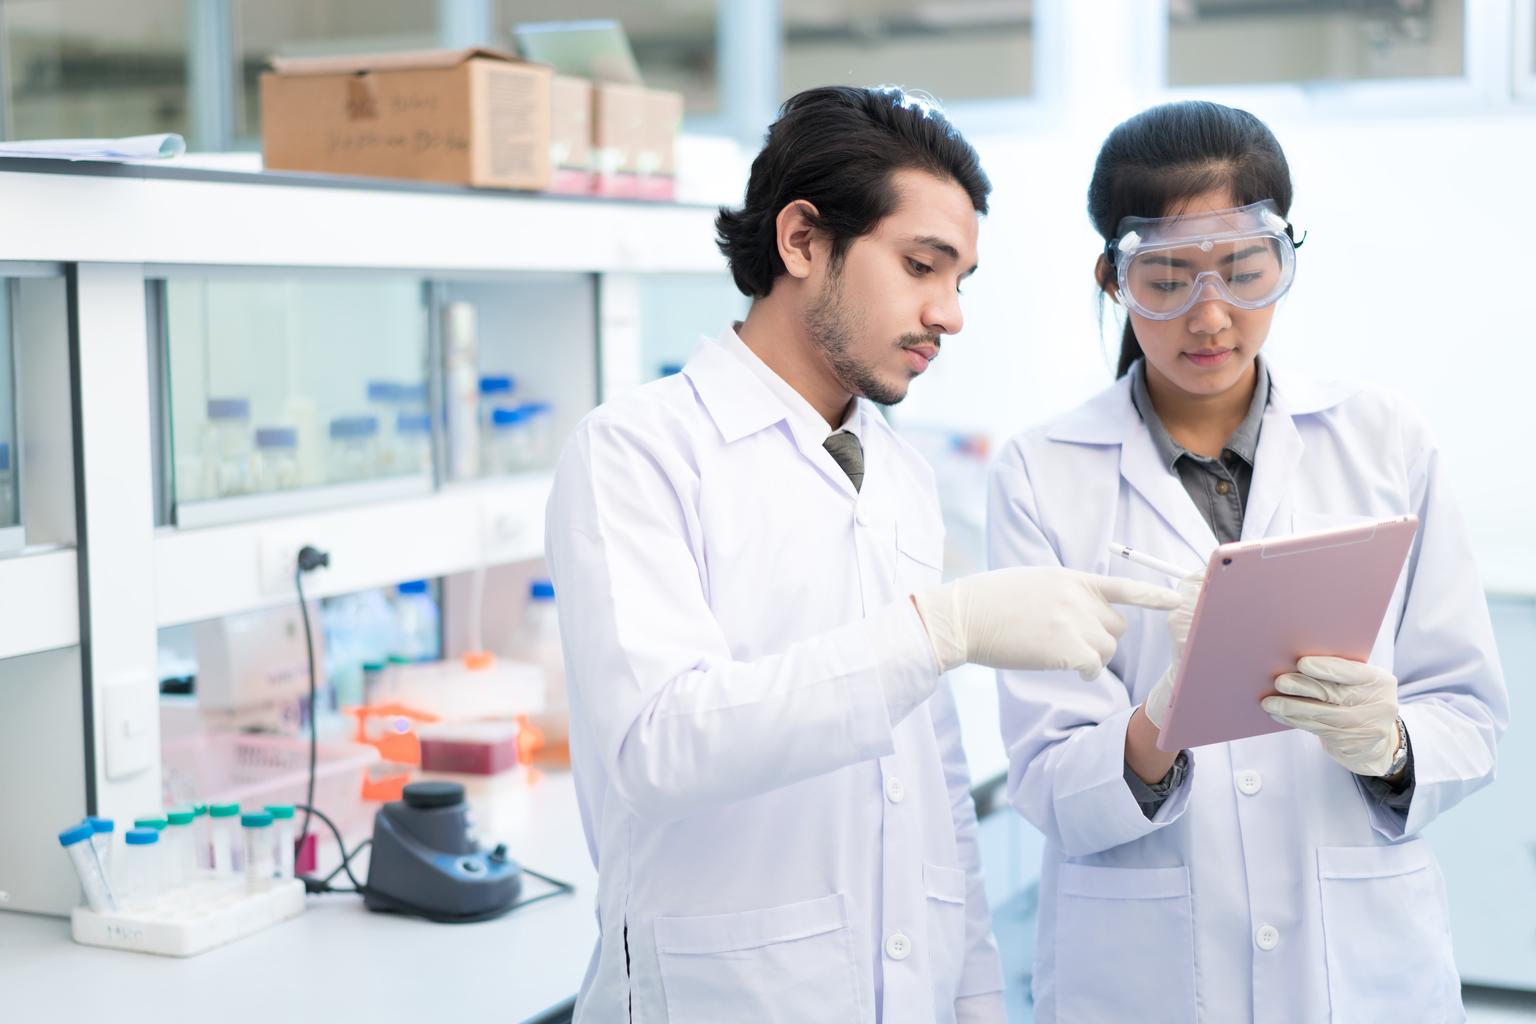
1281,877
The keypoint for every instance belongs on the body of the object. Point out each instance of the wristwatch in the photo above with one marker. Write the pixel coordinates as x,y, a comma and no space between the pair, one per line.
1400,758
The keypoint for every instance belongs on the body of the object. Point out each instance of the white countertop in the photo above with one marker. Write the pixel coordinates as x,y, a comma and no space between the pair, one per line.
339,962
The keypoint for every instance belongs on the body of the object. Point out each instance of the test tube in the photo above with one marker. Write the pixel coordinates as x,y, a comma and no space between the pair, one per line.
259,865
224,824
102,841
93,882
181,868
282,841
139,871
202,854
158,823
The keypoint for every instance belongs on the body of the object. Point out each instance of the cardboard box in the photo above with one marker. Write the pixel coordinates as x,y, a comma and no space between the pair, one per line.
634,140
471,117
570,135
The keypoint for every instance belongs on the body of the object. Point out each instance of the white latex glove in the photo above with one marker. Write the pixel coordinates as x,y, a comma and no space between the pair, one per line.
986,1008
1179,620
1040,619
1351,707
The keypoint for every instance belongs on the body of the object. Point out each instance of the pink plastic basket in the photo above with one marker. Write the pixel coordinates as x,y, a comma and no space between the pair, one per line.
255,769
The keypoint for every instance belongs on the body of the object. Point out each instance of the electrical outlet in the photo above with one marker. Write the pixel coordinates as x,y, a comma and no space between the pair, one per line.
279,558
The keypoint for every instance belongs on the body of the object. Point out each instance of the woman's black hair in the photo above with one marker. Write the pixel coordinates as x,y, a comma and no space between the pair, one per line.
837,147
1175,152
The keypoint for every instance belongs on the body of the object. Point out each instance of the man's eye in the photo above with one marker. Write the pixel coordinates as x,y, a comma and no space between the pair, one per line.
918,268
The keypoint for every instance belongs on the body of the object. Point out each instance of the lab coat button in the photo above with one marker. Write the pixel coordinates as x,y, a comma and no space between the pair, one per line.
898,946
1267,937
1249,782
895,792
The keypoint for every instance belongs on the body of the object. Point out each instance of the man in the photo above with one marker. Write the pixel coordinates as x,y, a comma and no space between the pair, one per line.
746,559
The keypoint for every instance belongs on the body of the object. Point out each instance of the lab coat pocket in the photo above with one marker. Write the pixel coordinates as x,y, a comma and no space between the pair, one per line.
921,548
1125,945
1386,934
945,888
779,965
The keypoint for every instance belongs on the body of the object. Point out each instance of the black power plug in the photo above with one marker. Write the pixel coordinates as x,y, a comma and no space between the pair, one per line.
312,558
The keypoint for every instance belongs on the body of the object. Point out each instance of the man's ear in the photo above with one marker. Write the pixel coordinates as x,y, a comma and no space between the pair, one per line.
1104,274
796,231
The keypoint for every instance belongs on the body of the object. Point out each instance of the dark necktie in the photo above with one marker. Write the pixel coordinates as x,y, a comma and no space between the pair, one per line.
845,448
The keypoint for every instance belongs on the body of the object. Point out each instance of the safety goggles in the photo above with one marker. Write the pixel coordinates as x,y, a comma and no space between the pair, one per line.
1165,265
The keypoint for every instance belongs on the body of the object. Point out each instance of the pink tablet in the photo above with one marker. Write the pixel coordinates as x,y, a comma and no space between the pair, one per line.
1267,603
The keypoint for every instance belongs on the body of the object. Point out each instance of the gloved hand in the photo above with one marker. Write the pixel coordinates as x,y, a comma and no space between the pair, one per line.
1040,619
1155,707
1351,707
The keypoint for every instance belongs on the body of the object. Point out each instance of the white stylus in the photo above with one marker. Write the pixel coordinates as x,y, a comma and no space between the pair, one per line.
1166,568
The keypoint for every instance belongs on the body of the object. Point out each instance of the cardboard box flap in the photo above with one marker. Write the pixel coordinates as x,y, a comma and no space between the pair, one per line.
402,60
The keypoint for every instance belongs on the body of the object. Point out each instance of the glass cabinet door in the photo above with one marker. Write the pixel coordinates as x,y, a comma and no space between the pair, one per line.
285,388
12,536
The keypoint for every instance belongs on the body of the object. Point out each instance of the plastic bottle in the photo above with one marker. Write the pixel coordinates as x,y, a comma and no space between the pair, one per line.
227,448
282,839
256,841
539,432
88,868
417,636
462,397
413,442
354,448
496,392
224,832
277,458
139,871
202,850
102,841
507,451
541,641
180,852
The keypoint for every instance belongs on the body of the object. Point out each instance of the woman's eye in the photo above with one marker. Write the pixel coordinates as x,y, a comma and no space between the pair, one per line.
1248,278
920,269
1167,287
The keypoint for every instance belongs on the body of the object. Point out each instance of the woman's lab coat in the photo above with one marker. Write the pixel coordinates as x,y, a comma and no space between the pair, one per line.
1270,886
769,847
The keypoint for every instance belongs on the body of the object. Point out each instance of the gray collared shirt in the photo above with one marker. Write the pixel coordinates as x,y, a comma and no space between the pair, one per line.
1219,489
1219,486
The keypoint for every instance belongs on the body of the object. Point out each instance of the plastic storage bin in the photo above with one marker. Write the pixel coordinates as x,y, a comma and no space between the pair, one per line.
256,770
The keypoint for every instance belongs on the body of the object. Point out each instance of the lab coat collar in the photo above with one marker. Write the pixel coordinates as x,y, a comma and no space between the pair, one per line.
1111,418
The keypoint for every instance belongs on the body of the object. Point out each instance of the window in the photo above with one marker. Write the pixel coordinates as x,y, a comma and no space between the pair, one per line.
95,68
302,28
981,49
674,42
1230,42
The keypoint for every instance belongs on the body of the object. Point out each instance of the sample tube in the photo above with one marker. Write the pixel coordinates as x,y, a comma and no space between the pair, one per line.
224,827
102,841
282,840
180,851
93,882
202,852
259,864
139,869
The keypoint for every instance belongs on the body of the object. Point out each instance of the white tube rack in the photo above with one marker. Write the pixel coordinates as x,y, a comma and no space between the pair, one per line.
193,919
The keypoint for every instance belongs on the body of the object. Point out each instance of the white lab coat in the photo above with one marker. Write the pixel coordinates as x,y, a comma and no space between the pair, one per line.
769,848
1269,887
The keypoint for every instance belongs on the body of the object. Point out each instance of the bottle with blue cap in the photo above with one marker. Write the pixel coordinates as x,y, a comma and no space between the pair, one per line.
354,448
104,829
413,442
227,454
139,870
540,642
277,458
94,883
418,636
506,447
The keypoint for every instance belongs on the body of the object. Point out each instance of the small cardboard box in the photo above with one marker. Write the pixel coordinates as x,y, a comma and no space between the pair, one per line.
570,135
471,117
634,140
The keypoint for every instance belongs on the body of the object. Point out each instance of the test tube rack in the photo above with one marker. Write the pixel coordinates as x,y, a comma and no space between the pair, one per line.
192,919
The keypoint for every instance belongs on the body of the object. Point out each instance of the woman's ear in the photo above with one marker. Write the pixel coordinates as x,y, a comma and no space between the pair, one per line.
1104,275
795,231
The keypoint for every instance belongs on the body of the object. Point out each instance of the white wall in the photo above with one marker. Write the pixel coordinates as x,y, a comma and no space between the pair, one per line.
1414,277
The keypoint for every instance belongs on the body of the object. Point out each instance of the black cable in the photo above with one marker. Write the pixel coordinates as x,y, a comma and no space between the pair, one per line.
309,558
346,859
312,884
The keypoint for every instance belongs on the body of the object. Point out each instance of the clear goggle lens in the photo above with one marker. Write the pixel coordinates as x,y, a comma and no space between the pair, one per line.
1166,281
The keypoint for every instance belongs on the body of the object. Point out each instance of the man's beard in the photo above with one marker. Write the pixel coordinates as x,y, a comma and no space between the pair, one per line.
832,328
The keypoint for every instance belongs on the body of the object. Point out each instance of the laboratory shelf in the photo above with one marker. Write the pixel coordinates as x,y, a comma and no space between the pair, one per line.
216,571
42,612
265,220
